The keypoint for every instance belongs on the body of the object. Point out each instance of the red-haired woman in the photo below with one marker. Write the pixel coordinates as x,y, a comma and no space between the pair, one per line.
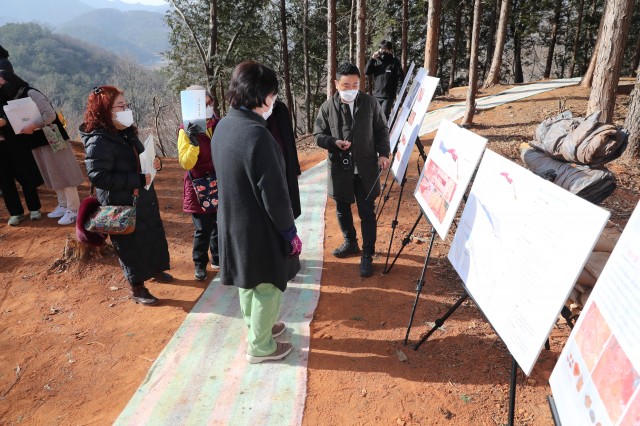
112,148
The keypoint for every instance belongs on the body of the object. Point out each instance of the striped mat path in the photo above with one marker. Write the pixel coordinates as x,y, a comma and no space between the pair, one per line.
202,377
455,111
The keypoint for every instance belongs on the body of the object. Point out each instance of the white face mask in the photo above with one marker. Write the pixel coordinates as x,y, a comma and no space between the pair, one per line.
209,111
348,95
125,118
267,113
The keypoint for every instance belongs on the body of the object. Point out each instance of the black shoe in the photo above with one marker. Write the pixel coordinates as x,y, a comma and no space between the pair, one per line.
201,273
141,295
348,247
163,277
366,266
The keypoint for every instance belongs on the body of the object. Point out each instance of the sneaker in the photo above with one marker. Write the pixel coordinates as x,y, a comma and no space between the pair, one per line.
140,294
366,266
215,263
163,277
59,211
348,247
68,218
277,330
201,273
35,215
282,350
15,220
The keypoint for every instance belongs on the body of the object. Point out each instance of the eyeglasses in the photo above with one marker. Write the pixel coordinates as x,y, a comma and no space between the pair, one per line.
123,106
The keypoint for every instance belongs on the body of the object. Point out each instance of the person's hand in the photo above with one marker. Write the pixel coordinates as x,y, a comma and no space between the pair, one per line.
157,164
29,129
375,55
343,145
192,131
383,163
147,179
3,122
295,246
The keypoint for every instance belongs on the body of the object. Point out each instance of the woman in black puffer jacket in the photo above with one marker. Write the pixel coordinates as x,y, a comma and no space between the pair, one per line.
112,148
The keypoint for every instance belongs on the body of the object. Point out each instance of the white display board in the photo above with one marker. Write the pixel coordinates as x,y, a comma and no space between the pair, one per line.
194,107
398,101
394,134
426,88
520,245
597,378
22,113
452,159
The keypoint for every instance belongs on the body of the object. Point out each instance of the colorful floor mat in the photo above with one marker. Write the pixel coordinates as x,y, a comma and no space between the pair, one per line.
453,112
202,377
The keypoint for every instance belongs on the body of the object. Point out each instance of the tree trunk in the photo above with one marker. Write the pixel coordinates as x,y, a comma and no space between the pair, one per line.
496,64
456,45
405,35
636,58
307,77
331,47
576,39
492,38
617,19
587,79
352,32
632,123
518,76
361,42
473,65
285,57
212,52
433,29
554,36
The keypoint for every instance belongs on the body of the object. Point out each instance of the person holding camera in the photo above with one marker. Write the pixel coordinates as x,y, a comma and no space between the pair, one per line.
387,75
352,128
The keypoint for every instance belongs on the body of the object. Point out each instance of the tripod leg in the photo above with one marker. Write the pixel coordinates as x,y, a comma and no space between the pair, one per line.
440,321
384,186
512,391
566,314
419,286
394,223
385,198
406,240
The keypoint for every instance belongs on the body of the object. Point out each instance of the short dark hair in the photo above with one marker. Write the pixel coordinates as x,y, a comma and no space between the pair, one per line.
386,44
347,68
251,83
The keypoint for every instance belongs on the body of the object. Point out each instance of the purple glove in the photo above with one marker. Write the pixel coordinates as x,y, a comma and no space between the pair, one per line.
296,246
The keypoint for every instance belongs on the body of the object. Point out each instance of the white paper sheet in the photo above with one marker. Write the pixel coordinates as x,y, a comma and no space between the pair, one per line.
520,245
147,157
194,107
21,113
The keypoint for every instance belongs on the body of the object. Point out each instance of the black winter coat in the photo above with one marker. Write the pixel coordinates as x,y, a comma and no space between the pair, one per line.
254,207
16,159
387,75
112,167
281,119
370,136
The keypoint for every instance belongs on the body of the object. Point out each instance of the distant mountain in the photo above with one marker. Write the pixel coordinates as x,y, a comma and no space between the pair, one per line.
122,6
47,12
140,34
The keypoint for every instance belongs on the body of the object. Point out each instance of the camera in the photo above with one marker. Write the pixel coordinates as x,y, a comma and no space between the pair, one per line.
346,160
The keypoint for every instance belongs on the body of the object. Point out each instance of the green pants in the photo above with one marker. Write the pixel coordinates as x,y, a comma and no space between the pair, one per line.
260,308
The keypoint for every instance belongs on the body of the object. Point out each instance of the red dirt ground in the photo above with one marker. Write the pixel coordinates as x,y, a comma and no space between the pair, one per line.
74,348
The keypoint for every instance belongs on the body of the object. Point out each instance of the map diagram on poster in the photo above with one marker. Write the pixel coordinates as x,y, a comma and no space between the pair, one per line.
426,88
452,159
597,378
520,245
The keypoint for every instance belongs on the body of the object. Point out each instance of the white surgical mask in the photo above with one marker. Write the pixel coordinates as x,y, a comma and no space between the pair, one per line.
267,113
125,118
348,95
209,111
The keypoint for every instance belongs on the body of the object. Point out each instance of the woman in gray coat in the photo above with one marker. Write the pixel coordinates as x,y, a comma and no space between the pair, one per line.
258,242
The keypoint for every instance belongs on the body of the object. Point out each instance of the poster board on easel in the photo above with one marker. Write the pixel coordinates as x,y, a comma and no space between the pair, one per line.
407,103
426,87
403,88
519,247
597,378
452,159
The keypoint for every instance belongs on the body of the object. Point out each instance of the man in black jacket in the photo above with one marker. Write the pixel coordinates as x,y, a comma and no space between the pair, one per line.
387,75
351,127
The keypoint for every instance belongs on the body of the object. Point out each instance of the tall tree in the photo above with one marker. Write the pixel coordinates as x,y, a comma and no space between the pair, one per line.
473,65
352,32
285,59
496,63
307,77
632,123
433,29
362,39
576,39
405,35
491,35
331,47
555,25
456,45
615,30
587,78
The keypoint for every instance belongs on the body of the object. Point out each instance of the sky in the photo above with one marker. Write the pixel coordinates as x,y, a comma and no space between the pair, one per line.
147,2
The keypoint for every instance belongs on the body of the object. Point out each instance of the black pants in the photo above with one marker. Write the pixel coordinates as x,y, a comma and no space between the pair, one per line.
387,105
366,211
205,238
12,198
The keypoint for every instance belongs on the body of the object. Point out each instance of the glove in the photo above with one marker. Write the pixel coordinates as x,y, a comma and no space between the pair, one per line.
296,246
192,131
